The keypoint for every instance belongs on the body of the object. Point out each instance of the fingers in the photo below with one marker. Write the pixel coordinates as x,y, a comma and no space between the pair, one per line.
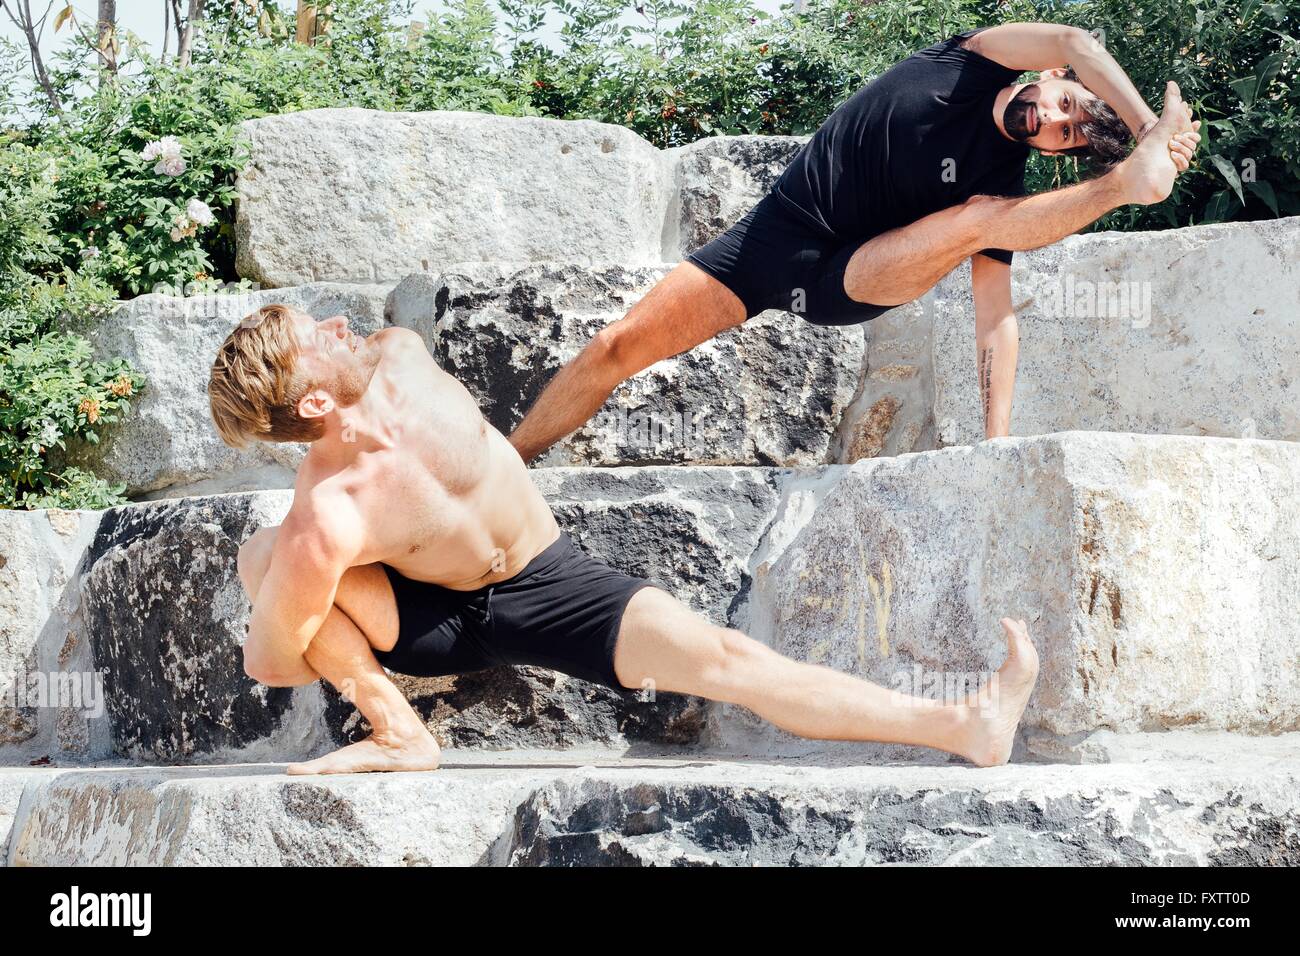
1182,148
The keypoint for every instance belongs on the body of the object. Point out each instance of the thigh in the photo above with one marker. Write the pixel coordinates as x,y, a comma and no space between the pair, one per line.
688,306
904,263
366,596
665,645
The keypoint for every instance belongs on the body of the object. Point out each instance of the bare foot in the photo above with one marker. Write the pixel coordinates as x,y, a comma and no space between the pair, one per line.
417,751
993,719
1149,172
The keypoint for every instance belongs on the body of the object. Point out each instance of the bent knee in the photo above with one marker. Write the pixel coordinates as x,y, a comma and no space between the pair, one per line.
734,666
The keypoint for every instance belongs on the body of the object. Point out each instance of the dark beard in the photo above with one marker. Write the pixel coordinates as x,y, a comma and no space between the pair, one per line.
1015,118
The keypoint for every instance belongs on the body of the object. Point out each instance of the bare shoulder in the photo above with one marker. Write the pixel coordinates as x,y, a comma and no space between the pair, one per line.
395,336
323,524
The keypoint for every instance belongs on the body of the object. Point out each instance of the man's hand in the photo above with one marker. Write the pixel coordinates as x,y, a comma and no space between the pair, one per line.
1182,147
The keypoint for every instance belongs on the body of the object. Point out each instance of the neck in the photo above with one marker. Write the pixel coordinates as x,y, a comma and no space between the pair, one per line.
1000,102
355,430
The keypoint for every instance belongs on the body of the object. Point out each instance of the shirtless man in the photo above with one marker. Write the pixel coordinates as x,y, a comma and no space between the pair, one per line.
416,541
916,172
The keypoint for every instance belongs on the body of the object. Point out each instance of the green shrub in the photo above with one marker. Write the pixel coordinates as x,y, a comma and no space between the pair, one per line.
87,215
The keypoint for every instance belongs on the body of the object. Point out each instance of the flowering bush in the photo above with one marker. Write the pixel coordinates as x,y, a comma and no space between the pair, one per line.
131,185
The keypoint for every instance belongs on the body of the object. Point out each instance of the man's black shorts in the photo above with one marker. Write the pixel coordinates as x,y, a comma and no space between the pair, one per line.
775,259
562,612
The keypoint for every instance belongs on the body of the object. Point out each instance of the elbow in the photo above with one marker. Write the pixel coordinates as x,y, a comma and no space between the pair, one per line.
1078,44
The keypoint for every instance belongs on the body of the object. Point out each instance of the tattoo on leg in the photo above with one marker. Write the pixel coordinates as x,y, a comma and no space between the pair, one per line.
985,372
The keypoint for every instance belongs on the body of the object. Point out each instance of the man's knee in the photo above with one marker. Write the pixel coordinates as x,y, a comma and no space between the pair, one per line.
254,558
734,667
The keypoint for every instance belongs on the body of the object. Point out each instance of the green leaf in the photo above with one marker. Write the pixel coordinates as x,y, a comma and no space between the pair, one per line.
1229,172
1216,210
1265,192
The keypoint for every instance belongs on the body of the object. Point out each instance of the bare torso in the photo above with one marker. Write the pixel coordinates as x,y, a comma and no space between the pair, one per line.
439,494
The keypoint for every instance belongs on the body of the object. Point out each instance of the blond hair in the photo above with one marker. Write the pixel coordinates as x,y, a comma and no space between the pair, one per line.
254,389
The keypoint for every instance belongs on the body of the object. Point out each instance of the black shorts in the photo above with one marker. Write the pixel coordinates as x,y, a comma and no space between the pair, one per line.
562,611
773,258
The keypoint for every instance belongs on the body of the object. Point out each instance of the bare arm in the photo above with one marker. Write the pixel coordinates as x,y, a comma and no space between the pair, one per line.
1045,46
296,596
997,342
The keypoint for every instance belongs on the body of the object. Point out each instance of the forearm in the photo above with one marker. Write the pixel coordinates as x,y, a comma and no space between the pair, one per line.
997,349
1099,72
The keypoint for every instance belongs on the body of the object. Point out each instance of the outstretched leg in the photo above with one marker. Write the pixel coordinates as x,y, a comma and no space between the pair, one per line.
900,265
663,644
364,617
688,306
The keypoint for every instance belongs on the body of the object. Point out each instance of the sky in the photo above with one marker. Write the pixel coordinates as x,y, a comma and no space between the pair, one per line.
145,18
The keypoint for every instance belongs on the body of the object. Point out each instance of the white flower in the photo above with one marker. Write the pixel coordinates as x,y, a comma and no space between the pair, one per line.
49,433
172,166
168,153
199,212
90,252
167,146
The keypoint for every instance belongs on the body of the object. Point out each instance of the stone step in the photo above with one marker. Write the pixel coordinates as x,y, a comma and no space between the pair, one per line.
1185,331
1235,807
122,629
393,194
771,393
1158,575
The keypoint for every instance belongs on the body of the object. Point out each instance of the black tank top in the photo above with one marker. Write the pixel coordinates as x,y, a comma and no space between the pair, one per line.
919,138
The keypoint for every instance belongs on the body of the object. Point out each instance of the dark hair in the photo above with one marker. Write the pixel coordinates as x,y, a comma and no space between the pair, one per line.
1108,137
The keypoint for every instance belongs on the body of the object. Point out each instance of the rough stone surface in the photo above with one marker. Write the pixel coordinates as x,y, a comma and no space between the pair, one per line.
1156,575
166,444
152,608
40,660
365,196
535,810
166,616
769,393
718,180
893,411
1187,331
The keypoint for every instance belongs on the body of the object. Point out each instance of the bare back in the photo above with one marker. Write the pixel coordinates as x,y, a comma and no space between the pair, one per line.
440,495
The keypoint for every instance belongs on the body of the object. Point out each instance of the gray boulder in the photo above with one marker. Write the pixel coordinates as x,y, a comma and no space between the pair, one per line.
1154,572
772,392
367,196
717,180
166,444
1186,332
536,810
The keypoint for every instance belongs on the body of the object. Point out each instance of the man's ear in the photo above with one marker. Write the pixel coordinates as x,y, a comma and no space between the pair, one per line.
1056,73
316,404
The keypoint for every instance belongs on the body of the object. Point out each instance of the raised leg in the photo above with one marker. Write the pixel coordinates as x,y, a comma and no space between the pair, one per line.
688,306
900,265
364,618
664,645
